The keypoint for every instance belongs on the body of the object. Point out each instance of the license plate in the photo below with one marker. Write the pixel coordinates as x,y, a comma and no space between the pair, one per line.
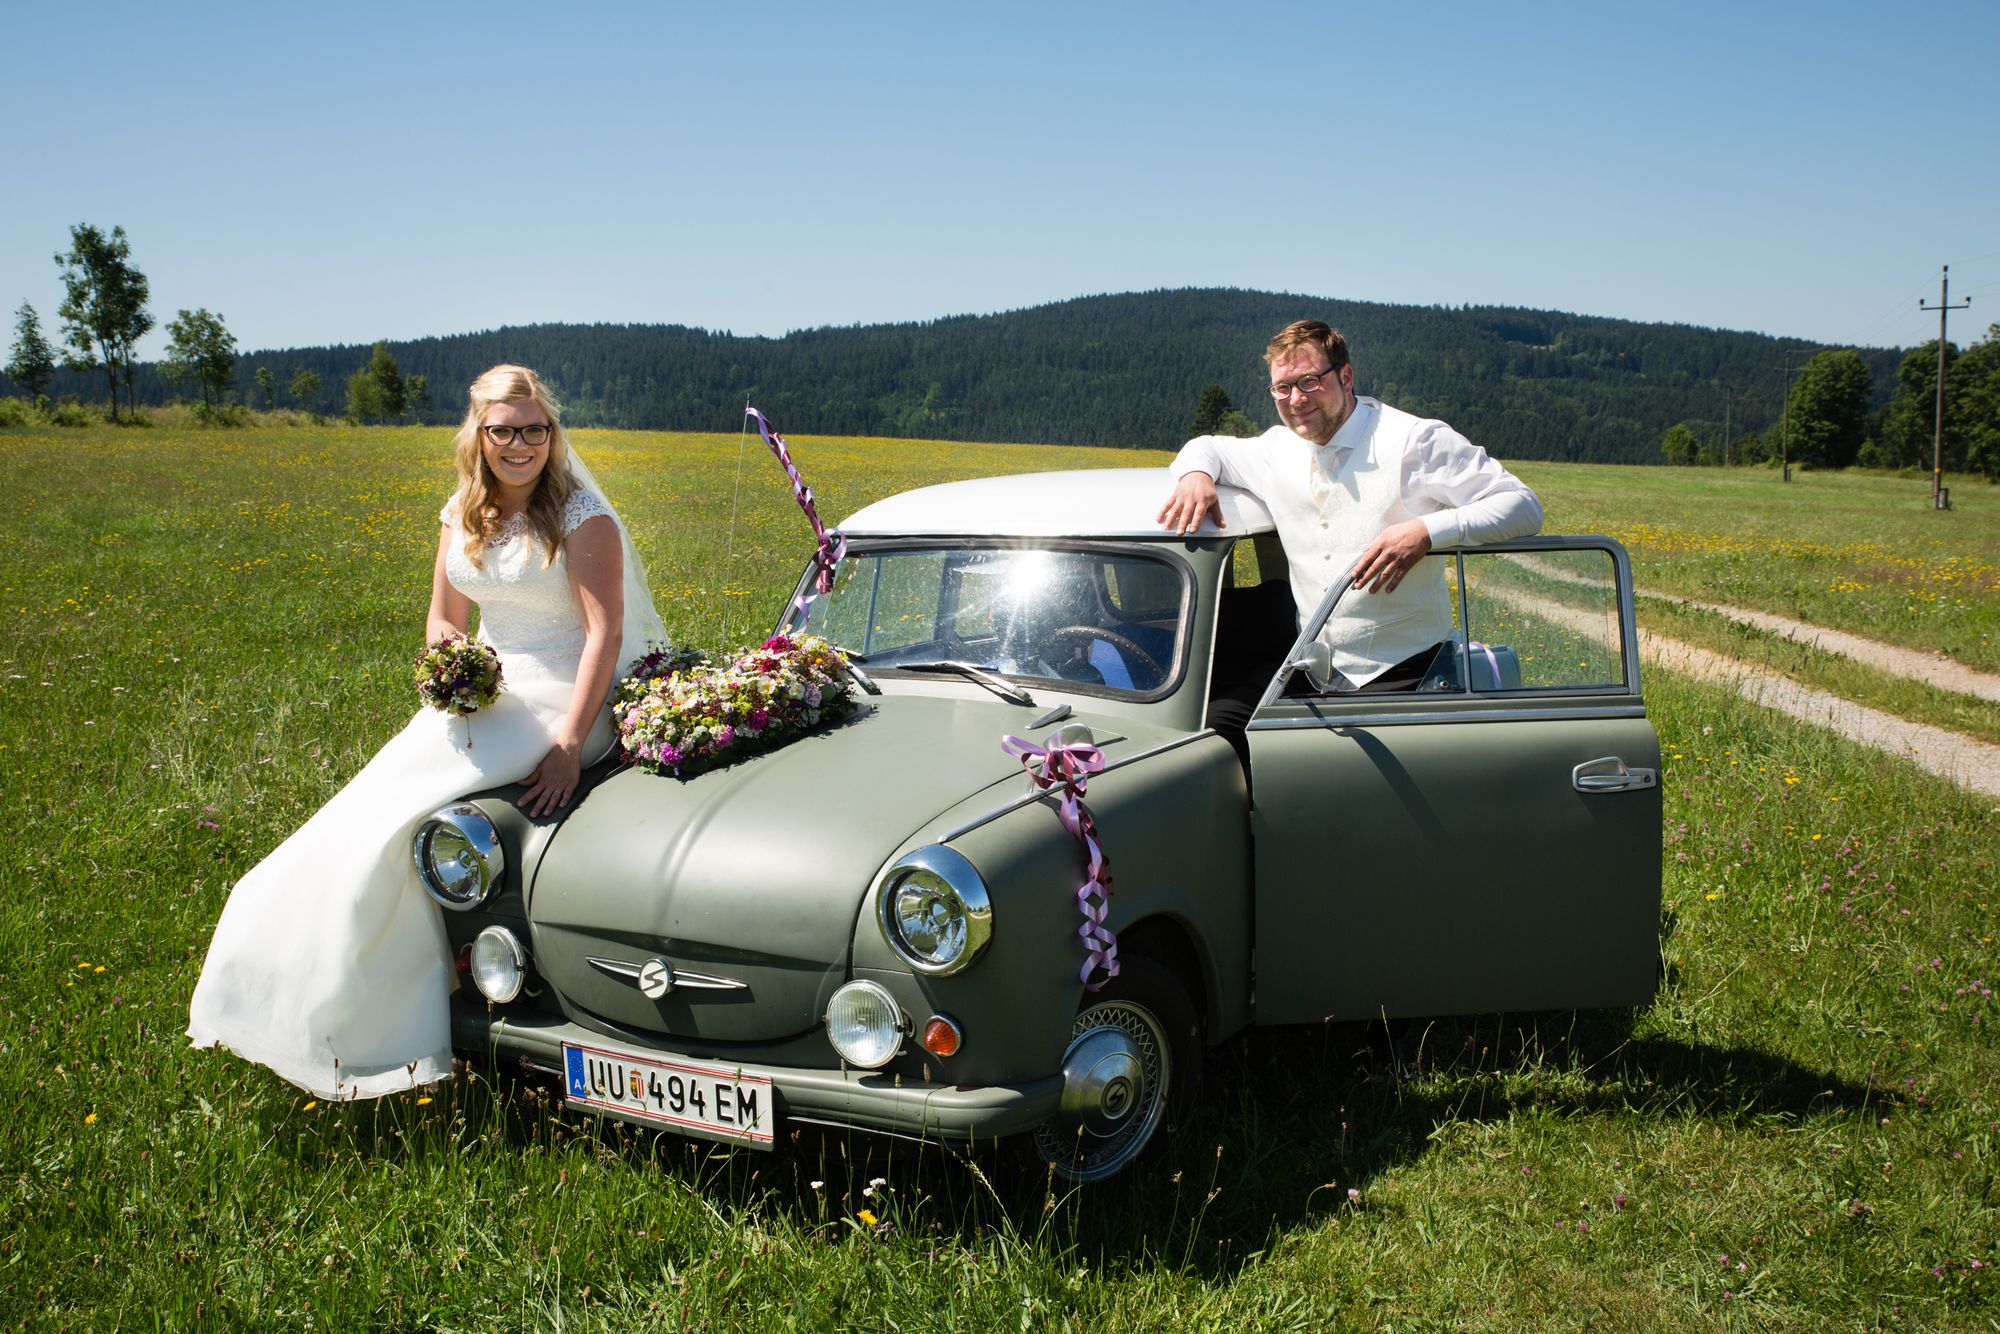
687,1095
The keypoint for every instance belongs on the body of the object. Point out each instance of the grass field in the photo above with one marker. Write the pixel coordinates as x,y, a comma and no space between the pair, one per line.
207,633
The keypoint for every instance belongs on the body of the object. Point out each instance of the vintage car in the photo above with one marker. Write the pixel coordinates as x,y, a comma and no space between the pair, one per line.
877,926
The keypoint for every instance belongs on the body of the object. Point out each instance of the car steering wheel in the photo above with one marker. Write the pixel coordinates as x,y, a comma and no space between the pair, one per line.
1116,640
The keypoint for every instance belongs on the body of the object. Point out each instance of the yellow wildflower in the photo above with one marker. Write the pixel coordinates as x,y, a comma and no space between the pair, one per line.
867,1217
90,1120
425,1100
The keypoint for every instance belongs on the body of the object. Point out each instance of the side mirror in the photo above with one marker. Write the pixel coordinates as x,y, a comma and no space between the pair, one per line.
1316,661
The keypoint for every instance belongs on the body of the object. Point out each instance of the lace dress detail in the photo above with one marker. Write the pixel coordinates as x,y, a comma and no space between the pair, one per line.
527,609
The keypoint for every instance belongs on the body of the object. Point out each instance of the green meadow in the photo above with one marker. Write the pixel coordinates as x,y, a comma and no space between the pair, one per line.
207,632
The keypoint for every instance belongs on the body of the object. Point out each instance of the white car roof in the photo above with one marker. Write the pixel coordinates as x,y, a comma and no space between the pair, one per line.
1098,502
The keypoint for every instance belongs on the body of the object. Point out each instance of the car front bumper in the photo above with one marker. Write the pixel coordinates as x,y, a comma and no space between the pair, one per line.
864,1099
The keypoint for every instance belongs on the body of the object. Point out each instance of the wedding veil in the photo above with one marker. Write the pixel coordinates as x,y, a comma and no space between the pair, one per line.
643,628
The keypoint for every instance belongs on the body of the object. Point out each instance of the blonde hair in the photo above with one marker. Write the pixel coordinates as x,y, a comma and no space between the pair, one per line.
478,512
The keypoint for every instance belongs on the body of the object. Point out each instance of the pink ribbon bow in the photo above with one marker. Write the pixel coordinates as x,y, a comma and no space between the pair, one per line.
1068,768
832,545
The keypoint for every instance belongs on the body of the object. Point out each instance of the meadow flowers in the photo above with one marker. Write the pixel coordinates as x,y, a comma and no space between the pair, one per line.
679,714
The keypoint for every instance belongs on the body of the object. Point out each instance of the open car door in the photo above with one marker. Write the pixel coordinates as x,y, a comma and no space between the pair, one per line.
1487,842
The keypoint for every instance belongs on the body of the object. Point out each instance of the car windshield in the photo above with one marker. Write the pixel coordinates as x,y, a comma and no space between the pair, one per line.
1098,620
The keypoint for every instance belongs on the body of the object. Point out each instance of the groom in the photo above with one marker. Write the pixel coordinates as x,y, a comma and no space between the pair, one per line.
1357,485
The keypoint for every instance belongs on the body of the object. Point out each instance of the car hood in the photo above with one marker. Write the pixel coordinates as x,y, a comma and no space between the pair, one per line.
747,879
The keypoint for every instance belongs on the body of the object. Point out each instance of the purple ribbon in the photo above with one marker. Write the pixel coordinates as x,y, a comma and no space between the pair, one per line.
1069,768
832,545
1491,661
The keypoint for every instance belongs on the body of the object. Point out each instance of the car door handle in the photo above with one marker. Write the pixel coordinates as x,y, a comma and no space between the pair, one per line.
1610,775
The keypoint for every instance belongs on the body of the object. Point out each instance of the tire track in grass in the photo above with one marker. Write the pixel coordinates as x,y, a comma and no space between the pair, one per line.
1929,668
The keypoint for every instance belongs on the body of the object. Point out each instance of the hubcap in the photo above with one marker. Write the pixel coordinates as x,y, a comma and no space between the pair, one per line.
1115,1078
1104,1079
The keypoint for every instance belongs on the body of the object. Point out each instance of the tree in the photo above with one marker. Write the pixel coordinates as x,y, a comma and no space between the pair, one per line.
1829,409
417,392
1973,387
1909,422
267,385
1236,424
104,304
375,392
200,349
304,387
1209,409
34,363
1680,445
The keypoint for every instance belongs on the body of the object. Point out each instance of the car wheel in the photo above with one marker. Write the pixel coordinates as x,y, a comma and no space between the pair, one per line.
1132,1055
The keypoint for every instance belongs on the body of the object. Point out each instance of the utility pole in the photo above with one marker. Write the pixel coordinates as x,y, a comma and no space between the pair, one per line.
1943,308
1785,436
1728,398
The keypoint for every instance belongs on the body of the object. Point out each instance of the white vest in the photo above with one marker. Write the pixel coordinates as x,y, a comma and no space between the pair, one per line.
1326,522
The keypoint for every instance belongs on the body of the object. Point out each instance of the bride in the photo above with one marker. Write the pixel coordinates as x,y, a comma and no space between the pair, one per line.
330,963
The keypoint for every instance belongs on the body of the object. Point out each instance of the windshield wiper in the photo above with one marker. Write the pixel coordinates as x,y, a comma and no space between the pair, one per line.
974,673
851,661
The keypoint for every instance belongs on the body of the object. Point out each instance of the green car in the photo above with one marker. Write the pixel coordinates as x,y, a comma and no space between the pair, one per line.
879,925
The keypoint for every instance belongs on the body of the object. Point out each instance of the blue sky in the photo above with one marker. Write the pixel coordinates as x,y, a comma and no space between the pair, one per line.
373,171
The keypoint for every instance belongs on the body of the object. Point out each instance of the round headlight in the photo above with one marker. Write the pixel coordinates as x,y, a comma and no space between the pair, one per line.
499,964
864,1024
934,908
459,856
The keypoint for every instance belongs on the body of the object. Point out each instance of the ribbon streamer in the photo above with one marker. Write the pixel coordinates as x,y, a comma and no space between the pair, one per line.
1068,768
832,545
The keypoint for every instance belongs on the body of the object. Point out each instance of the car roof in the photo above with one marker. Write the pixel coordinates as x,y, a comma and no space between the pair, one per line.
1097,502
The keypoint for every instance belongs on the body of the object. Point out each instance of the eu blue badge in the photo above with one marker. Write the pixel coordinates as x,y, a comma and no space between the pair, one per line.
573,1066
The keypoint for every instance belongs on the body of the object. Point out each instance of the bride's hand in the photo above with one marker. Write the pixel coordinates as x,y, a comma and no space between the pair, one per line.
553,782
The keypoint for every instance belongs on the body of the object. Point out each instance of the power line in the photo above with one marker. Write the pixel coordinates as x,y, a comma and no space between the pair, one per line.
1944,309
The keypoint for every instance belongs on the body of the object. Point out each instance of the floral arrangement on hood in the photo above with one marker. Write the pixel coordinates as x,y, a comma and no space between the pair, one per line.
678,713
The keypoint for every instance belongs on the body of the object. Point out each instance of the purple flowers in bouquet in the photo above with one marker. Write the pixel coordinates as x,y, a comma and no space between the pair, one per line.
678,713
458,675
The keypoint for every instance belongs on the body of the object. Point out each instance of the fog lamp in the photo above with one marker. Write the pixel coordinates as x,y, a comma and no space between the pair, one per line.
864,1024
499,964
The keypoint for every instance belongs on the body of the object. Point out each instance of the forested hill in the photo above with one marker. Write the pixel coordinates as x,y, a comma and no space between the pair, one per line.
1127,370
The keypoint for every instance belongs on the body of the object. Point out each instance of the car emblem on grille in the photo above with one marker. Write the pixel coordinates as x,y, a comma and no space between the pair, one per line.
656,978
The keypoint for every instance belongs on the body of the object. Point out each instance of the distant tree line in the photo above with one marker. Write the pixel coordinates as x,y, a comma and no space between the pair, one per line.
1835,419
1139,369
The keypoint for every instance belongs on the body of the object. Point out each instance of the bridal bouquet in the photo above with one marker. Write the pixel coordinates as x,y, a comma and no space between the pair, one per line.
679,713
458,675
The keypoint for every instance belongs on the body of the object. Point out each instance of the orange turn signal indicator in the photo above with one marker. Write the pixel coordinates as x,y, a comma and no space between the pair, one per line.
942,1037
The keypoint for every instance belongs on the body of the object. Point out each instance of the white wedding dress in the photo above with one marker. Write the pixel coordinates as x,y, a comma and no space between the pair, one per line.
330,963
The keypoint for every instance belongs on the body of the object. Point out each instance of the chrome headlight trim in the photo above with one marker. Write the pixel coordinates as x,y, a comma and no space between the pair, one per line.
958,902
467,876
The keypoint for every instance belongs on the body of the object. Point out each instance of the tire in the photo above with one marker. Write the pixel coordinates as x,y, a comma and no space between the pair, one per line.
1145,1006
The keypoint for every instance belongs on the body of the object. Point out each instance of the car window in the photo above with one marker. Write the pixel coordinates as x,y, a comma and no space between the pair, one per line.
1098,619
890,606
1541,620
1502,621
